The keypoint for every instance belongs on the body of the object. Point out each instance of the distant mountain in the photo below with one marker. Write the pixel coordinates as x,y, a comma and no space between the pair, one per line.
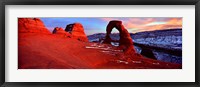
156,33
139,35
96,37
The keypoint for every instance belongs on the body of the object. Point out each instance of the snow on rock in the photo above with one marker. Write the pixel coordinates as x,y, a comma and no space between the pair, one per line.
162,41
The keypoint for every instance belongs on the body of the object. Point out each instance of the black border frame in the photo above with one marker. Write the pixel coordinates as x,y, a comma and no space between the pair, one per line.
98,2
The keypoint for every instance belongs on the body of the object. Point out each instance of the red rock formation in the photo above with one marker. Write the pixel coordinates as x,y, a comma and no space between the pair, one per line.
60,31
77,31
32,25
125,41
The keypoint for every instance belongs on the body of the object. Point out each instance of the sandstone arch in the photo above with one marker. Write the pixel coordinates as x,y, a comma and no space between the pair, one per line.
125,41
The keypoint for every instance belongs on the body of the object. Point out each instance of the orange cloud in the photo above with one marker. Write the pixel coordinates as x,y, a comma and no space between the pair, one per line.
141,21
130,25
170,24
175,21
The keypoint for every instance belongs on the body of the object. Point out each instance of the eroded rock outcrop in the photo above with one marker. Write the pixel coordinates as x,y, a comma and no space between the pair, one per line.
60,31
77,31
125,41
31,25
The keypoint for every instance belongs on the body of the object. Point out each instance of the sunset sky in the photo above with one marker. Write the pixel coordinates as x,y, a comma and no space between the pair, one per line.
132,24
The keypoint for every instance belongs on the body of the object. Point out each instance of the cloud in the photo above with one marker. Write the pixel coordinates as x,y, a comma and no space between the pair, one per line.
155,23
148,24
169,24
175,21
109,19
141,21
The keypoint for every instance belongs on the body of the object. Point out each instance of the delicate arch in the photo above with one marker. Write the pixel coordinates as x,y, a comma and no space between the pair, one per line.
125,40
